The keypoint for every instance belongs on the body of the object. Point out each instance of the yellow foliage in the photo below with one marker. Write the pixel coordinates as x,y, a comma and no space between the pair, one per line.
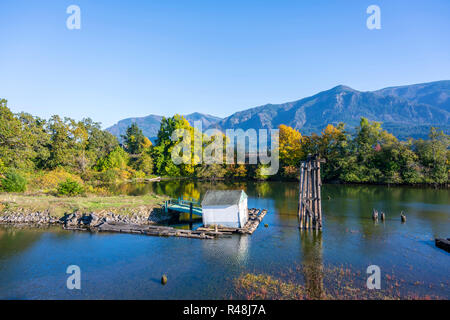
240,171
290,145
126,174
146,143
51,179
330,135
331,131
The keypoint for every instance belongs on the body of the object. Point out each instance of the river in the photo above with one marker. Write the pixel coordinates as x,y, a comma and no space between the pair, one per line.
33,262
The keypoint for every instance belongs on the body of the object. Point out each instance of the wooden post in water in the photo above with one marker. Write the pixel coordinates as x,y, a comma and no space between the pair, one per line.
190,215
300,203
309,202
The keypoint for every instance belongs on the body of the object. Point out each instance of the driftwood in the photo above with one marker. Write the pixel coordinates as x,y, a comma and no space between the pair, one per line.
443,244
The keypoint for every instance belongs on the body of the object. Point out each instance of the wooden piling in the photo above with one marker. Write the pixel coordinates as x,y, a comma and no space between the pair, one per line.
300,204
310,200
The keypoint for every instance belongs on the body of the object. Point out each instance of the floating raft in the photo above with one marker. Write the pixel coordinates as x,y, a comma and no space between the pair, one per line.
443,244
150,230
255,216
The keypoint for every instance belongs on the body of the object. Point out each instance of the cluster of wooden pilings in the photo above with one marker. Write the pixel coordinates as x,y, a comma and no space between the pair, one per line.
309,201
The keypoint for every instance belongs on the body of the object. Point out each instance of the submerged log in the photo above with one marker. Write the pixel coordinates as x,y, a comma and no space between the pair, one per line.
402,217
443,244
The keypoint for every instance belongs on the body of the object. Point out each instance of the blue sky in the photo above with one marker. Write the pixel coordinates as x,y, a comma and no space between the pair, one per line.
134,58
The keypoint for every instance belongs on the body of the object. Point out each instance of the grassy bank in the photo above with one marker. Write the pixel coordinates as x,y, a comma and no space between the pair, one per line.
58,206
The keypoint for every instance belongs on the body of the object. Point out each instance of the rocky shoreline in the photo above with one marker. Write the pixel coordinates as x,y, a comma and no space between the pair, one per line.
84,221
144,223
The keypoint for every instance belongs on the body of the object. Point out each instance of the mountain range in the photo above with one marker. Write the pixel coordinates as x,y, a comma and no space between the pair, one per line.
405,111
150,124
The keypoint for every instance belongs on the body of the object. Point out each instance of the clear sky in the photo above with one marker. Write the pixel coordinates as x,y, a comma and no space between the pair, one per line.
134,58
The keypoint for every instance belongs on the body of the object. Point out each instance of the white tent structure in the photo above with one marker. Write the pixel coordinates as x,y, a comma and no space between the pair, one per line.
226,208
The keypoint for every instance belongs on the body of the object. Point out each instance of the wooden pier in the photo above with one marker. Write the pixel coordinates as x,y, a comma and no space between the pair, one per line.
309,200
255,217
182,205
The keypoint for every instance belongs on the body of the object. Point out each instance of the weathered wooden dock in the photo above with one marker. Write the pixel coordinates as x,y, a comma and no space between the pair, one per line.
255,218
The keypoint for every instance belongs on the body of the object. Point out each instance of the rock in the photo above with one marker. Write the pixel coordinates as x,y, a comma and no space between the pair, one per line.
86,219
164,279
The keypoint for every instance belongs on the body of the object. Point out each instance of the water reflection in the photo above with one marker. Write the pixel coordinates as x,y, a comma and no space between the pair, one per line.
233,249
14,241
312,262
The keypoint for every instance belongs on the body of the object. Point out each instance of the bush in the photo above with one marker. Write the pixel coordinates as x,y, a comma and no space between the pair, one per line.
70,188
51,180
13,182
2,167
139,175
109,176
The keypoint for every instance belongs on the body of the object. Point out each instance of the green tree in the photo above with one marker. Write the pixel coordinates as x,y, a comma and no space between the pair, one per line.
61,143
162,151
144,163
134,140
117,159
433,155
15,149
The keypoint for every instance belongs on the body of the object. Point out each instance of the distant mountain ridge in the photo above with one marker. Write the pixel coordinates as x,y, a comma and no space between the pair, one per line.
405,111
150,124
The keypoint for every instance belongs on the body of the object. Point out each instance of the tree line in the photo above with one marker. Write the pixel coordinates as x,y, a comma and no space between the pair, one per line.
45,153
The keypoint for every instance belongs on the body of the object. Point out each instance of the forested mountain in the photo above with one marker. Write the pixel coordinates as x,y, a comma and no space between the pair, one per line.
405,111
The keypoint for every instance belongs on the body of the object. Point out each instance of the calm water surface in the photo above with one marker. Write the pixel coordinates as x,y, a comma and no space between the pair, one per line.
119,266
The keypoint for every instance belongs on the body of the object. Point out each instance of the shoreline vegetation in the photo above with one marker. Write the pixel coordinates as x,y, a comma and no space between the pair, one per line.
58,207
320,282
68,158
